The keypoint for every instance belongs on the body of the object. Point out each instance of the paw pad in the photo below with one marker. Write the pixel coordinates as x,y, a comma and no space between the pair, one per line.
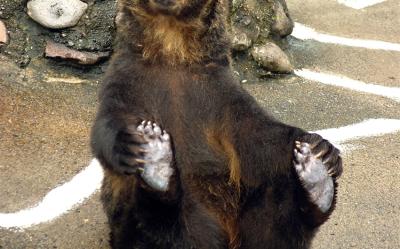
314,176
157,156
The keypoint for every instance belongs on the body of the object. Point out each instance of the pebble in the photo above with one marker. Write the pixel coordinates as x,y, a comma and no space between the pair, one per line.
3,33
271,57
23,61
56,14
56,50
241,42
283,25
246,20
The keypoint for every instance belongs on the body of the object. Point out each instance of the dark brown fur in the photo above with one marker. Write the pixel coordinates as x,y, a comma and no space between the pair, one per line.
234,184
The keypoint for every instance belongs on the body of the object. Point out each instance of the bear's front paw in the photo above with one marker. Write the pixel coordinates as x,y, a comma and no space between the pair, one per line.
316,161
323,150
157,157
145,149
128,155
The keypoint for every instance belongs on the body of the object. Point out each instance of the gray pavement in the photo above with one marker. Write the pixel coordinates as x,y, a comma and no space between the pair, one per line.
368,209
44,129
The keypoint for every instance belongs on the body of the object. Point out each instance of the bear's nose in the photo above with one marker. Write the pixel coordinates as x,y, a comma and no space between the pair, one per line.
165,3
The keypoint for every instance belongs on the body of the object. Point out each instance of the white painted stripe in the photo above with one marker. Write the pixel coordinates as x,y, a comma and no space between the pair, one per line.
88,181
303,32
367,128
341,81
58,200
360,4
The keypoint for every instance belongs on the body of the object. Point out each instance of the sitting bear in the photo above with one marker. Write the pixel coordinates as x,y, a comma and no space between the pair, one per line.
191,161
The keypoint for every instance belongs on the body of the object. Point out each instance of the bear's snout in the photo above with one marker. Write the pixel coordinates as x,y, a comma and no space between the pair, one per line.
165,3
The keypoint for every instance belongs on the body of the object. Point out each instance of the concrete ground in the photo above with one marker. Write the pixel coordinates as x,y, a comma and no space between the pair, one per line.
368,210
44,129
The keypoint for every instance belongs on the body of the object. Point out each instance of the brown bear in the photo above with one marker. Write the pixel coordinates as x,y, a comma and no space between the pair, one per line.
191,160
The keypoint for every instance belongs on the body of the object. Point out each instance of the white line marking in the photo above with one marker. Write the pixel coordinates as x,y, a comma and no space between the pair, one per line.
341,81
360,4
303,32
67,196
58,200
367,128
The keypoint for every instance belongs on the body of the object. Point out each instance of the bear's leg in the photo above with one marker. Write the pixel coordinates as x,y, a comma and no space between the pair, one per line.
315,174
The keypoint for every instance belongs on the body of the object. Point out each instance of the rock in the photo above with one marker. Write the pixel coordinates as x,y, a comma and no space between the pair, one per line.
283,25
56,14
272,58
241,41
251,17
3,33
56,50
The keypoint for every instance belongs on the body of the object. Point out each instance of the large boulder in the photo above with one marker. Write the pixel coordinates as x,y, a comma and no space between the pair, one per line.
56,14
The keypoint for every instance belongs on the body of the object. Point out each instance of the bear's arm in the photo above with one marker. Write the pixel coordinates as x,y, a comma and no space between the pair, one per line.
264,151
114,127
